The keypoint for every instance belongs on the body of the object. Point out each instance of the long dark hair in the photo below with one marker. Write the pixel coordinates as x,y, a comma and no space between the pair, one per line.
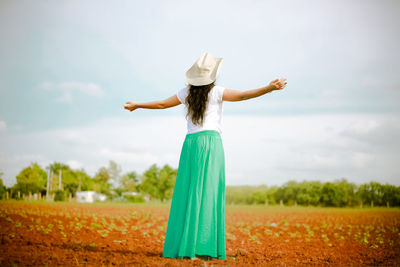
197,102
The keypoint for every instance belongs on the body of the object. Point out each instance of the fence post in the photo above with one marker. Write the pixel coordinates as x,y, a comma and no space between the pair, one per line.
281,202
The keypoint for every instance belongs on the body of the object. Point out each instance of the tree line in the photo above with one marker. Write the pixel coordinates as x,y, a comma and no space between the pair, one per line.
157,183
339,193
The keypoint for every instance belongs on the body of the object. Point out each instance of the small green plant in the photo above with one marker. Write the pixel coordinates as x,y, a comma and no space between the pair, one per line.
95,226
230,236
268,231
103,233
325,237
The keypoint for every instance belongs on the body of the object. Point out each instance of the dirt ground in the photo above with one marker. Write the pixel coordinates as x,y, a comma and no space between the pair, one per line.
40,234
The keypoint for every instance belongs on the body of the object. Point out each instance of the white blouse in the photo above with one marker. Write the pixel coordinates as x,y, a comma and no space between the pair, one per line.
213,114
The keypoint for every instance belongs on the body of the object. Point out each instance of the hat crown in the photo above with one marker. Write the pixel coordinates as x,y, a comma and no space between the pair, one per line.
205,62
204,70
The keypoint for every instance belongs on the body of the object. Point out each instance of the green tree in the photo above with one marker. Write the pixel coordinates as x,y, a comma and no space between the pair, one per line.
129,182
370,193
76,180
114,171
167,182
259,197
271,192
348,197
85,182
31,179
159,183
68,179
102,182
288,192
71,180
291,190
3,189
150,181
340,193
331,194
309,193
389,194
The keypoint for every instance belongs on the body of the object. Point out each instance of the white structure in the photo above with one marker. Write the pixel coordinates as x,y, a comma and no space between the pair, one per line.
89,196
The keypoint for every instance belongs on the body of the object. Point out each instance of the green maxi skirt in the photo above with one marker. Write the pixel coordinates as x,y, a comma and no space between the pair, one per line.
196,224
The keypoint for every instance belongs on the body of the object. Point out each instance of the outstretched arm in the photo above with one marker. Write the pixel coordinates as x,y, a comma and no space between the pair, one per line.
162,104
236,95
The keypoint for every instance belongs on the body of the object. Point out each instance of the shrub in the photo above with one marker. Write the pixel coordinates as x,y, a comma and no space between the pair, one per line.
59,195
135,198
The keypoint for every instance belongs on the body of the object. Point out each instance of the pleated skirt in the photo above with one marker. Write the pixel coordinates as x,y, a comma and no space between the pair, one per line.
196,223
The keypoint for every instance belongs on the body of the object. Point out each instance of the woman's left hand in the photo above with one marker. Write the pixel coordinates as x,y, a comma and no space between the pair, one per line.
278,84
130,105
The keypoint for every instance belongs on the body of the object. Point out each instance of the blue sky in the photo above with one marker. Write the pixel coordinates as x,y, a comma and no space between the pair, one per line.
67,68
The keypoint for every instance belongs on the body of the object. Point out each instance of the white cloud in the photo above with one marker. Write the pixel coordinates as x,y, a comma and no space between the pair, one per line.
12,163
66,89
3,126
74,138
273,149
362,160
258,149
74,164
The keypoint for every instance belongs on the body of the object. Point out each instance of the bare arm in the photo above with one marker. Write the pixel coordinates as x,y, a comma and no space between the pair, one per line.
236,95
161,104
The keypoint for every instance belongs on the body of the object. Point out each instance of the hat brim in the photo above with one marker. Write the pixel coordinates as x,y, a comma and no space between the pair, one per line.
196,80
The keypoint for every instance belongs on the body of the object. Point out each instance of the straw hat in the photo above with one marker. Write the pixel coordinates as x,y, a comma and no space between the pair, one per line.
204,71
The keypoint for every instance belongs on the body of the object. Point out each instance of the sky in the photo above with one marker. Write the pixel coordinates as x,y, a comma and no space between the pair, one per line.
68,67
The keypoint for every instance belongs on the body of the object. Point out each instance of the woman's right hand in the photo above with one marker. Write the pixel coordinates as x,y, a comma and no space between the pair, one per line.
278,84
130,105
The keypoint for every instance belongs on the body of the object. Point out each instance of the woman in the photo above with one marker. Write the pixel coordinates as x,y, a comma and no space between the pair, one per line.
196,224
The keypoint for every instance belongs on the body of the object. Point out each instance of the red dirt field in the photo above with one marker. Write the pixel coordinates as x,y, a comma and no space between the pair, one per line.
72,234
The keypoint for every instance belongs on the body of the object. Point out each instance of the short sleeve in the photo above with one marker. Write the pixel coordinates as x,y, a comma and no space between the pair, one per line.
220,93
182,94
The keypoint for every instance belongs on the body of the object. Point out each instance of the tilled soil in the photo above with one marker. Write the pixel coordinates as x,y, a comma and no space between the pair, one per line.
40,233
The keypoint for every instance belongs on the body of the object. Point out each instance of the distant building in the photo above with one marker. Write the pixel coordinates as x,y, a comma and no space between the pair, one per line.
89,196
